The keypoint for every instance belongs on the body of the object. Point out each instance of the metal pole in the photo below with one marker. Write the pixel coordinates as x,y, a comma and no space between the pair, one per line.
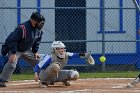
103,32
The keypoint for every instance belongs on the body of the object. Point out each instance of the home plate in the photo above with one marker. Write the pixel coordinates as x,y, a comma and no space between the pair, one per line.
119,86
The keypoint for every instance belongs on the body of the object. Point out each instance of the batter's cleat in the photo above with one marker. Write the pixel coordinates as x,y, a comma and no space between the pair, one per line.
2,84
133,83
130,85
67,83
43,84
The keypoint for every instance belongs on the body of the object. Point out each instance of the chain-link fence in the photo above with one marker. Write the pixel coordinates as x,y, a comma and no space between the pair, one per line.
104,27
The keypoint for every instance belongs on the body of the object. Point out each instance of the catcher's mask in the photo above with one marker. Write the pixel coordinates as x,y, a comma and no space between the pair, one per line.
39,18
58,48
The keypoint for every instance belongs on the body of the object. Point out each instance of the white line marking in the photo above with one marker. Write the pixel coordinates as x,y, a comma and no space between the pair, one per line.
134,91
22,83
99,90
119,86
83,79
11,91
84,90
107,78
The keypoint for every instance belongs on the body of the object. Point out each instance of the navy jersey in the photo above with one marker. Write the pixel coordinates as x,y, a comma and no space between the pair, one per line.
31,40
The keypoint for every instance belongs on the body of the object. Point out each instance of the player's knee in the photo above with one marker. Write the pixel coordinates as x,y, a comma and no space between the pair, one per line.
56,68
73,75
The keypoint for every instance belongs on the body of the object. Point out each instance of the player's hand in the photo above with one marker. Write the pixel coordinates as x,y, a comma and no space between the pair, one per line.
12,58
37,56
36,77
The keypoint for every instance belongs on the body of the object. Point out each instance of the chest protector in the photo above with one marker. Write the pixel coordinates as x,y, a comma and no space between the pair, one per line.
61,61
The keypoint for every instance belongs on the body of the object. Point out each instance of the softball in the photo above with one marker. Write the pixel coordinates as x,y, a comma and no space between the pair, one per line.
102,59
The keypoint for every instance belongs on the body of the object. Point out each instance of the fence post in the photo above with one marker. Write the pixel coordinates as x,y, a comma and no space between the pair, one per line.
103,31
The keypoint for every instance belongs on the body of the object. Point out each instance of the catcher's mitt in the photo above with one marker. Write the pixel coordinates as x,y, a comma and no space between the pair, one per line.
89,59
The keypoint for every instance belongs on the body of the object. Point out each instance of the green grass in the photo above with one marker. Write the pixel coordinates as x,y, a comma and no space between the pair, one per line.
126,74
27,76
129,74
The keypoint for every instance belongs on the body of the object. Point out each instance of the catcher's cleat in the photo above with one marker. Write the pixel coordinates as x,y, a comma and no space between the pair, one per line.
43,84
52,83
67,83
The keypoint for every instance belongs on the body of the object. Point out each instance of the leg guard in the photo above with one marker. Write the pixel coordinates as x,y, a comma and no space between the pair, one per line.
49,72
67,75
53,69
73,75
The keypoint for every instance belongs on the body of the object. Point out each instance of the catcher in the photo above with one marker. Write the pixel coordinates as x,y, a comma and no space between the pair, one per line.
49,69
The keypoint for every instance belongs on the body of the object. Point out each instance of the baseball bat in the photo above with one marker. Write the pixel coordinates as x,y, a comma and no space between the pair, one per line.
136,5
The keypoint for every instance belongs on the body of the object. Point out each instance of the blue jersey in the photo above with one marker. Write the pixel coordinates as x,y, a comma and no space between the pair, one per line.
47,59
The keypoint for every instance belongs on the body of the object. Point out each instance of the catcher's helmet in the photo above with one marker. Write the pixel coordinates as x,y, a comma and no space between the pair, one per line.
55,45
58,44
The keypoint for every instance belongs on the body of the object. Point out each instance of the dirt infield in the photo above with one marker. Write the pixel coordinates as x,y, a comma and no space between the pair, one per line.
99,85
